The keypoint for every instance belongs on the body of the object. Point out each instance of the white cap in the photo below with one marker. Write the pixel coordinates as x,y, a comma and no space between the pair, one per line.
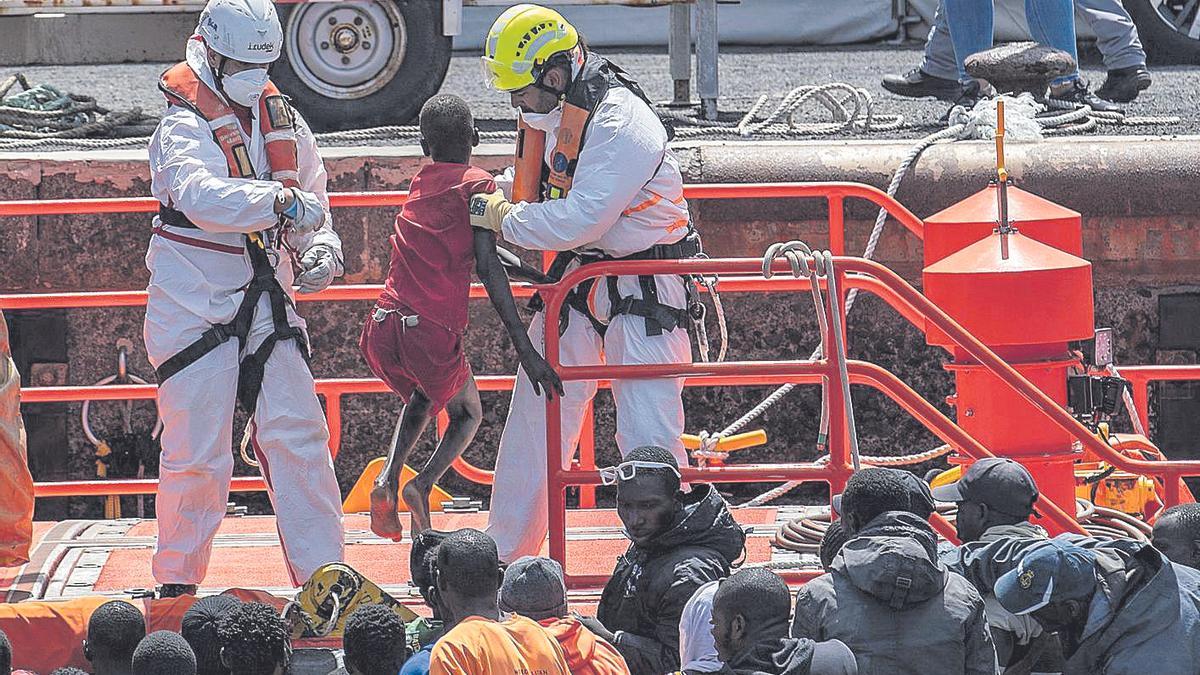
243,30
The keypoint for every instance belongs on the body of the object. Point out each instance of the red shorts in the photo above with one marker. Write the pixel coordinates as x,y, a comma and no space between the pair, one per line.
425,357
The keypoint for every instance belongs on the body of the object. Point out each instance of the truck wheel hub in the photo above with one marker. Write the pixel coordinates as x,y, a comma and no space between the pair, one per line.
345,38
346,50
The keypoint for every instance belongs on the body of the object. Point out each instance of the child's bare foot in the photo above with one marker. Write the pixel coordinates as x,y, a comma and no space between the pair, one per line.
385,522
416,496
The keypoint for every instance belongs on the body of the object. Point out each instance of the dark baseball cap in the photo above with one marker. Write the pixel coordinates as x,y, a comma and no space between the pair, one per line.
534,587
1001,483
1050,571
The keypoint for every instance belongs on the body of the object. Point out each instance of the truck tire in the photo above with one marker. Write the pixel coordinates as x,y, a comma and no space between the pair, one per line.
361,63
1169,35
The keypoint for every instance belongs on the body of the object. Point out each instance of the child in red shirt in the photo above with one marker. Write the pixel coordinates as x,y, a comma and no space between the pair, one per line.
413,338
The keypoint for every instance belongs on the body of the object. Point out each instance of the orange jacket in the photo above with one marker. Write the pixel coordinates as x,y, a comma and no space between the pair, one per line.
16,485
586,653
182,87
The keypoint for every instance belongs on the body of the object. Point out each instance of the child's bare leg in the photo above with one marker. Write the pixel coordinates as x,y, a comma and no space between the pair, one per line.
413,419
465,414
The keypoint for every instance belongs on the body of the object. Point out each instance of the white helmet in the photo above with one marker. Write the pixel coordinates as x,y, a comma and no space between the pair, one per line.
243,30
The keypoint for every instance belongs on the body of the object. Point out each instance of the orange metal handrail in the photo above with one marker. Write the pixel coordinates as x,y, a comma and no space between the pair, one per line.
338,293
894,290
834,193
1141,377
331,389
49,207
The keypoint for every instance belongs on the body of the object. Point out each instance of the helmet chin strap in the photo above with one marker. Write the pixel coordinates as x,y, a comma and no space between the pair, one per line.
219,73
540,82
558,95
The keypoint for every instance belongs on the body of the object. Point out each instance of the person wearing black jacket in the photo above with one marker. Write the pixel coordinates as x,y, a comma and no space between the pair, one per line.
751,610
679,542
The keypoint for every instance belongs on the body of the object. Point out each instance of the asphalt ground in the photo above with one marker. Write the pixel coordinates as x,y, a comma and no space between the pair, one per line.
744,75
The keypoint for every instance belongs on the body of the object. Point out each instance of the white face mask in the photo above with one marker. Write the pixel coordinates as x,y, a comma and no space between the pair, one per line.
246,87
543,121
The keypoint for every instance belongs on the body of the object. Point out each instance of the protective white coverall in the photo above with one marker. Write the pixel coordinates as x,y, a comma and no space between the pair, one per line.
627,196
192,288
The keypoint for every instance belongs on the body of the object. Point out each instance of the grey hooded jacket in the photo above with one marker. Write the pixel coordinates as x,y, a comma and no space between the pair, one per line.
896,606
1145,617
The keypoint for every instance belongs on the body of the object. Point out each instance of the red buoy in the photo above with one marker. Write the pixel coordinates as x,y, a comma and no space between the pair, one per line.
1025,300
956,227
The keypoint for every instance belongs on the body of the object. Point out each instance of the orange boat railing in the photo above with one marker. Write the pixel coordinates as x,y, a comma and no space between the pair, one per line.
835,195
739,275
891,288
1141,377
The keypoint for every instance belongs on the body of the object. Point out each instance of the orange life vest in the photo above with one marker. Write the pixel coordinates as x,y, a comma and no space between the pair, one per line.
533,179
277,122
536,180
182,87
49,634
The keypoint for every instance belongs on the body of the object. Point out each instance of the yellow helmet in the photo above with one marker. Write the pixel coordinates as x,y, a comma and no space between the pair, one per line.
521,41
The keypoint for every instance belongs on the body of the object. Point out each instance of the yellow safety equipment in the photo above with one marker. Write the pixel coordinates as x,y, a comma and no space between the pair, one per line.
359,499
331,595
520,42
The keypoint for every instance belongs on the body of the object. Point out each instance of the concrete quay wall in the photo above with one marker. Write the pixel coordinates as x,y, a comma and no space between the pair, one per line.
1141,230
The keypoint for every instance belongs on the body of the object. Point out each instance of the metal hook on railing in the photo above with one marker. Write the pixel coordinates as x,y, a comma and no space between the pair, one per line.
103,449
816,264
123,376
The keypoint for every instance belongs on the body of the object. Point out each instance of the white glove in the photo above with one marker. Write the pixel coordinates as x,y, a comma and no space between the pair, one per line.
310,213
504,181
321,265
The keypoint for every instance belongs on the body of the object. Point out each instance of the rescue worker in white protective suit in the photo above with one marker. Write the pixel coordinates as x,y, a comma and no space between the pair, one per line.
605,187
242,192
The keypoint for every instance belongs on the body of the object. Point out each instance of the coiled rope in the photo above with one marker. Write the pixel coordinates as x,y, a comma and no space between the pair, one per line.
976,123
44,112
851,110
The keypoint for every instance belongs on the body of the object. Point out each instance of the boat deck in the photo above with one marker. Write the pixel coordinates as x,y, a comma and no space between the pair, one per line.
112,557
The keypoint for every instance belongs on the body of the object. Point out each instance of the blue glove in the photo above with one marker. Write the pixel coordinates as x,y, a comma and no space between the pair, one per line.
307,213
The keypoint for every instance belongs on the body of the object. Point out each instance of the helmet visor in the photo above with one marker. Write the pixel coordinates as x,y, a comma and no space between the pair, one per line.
506,77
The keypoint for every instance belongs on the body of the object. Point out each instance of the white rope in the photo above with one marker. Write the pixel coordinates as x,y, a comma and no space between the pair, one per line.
895,461
243,447
719,309
708,440
1127,400
710,282
851,110
979,122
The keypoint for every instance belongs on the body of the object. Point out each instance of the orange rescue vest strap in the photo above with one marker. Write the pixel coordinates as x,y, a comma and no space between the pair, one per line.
276,121
530,156
527,163
566,150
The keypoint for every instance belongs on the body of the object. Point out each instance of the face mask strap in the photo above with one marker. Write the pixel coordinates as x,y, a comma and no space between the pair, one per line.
540,72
